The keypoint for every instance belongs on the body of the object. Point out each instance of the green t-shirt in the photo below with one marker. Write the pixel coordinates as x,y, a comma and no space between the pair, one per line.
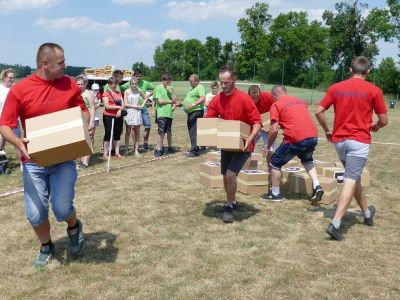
143,85
193,95
163,110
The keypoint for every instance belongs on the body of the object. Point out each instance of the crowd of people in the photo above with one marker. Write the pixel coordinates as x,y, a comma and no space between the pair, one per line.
354,101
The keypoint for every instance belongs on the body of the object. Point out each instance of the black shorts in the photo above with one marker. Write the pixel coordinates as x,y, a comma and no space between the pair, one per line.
164,124
233,161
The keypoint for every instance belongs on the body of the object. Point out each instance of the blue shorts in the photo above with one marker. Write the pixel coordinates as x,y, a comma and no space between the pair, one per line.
303,150
146,118
55,183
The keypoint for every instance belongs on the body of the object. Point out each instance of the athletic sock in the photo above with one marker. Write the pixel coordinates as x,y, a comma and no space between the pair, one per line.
315,183
367,214
275,191
234,202
46,246
336,223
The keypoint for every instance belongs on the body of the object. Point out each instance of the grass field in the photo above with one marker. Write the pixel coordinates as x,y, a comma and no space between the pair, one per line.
153,232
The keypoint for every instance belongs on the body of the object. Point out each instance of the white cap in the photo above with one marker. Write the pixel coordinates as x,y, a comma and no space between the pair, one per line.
95,86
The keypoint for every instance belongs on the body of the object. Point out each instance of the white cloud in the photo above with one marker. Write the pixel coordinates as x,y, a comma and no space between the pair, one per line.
114,32
133,2
198,11
8,6
174,34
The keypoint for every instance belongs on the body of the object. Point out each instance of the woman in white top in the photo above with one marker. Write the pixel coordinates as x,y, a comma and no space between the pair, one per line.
133,119
6,81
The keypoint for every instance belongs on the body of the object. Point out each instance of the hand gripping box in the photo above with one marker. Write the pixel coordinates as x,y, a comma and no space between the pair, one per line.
207,131
253,182
231,134
58,137
265,121
210,174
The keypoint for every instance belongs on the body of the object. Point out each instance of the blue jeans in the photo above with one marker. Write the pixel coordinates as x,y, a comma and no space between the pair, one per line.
303,150
57,183
146,118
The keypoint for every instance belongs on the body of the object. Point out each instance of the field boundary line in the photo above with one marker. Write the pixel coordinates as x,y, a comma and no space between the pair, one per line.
20,190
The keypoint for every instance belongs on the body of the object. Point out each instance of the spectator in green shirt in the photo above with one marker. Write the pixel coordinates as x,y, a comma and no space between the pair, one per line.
166,103
194,107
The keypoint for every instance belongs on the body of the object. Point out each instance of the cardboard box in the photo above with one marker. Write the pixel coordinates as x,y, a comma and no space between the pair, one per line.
58,137
253,182
207,131
319,164
365,182
332,172
265,121
300,183
214,156
210,174
328,184
286,172
231,134
329,197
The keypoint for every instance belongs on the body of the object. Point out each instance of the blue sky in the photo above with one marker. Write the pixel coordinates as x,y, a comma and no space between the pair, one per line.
121,32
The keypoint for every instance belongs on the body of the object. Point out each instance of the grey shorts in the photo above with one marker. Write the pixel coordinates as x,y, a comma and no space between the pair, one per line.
353,155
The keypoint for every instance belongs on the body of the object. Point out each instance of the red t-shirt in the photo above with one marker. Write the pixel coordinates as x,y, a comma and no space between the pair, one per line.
264,103
118,97
294,118
34,96
353,101
237,106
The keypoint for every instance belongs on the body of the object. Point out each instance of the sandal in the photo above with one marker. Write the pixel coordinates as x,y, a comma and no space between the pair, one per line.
104,157
119,156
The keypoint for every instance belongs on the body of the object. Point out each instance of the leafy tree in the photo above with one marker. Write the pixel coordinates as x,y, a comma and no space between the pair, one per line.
169,57
351,34
142,67
212,59
387,76
253,30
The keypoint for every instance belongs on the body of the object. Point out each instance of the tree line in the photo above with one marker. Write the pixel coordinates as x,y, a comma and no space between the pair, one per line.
289,48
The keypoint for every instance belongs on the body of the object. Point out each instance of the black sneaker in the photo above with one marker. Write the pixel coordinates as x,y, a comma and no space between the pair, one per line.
271,197
235,205
317,194
370,221
170,150
191,154
227,216
146,146
335,234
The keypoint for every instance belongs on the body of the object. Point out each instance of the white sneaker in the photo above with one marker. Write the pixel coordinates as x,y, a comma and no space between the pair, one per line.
2,152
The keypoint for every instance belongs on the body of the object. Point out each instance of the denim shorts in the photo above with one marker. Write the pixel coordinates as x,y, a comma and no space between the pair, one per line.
146,118
303,150
55,183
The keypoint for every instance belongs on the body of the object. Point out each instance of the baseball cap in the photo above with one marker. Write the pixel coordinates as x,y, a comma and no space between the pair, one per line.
95,86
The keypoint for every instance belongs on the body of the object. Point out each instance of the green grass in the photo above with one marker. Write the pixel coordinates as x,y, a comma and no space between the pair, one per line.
153,232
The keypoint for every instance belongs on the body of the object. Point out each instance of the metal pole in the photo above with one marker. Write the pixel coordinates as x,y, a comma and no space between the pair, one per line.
313,81
283,71
254,69
198,64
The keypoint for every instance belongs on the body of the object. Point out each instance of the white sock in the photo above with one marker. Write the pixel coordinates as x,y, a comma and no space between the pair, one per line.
367,214
336,223
275,191
315,183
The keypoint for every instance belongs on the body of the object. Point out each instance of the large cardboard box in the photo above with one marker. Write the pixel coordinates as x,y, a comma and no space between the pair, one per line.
327,184
300,183
210,174
329,197
214,156
231,134
58,137
253,182
265,121
286,173
319,164
207,131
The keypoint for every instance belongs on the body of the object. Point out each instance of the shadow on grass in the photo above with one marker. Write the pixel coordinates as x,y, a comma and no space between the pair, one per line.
214,209
350,218
99,249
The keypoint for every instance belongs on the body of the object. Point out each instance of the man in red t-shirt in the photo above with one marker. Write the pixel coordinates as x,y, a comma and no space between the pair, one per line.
300,137
233,104
46,91
354,100
263,102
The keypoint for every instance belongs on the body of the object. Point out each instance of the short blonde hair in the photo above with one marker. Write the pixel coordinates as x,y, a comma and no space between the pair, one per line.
5,72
